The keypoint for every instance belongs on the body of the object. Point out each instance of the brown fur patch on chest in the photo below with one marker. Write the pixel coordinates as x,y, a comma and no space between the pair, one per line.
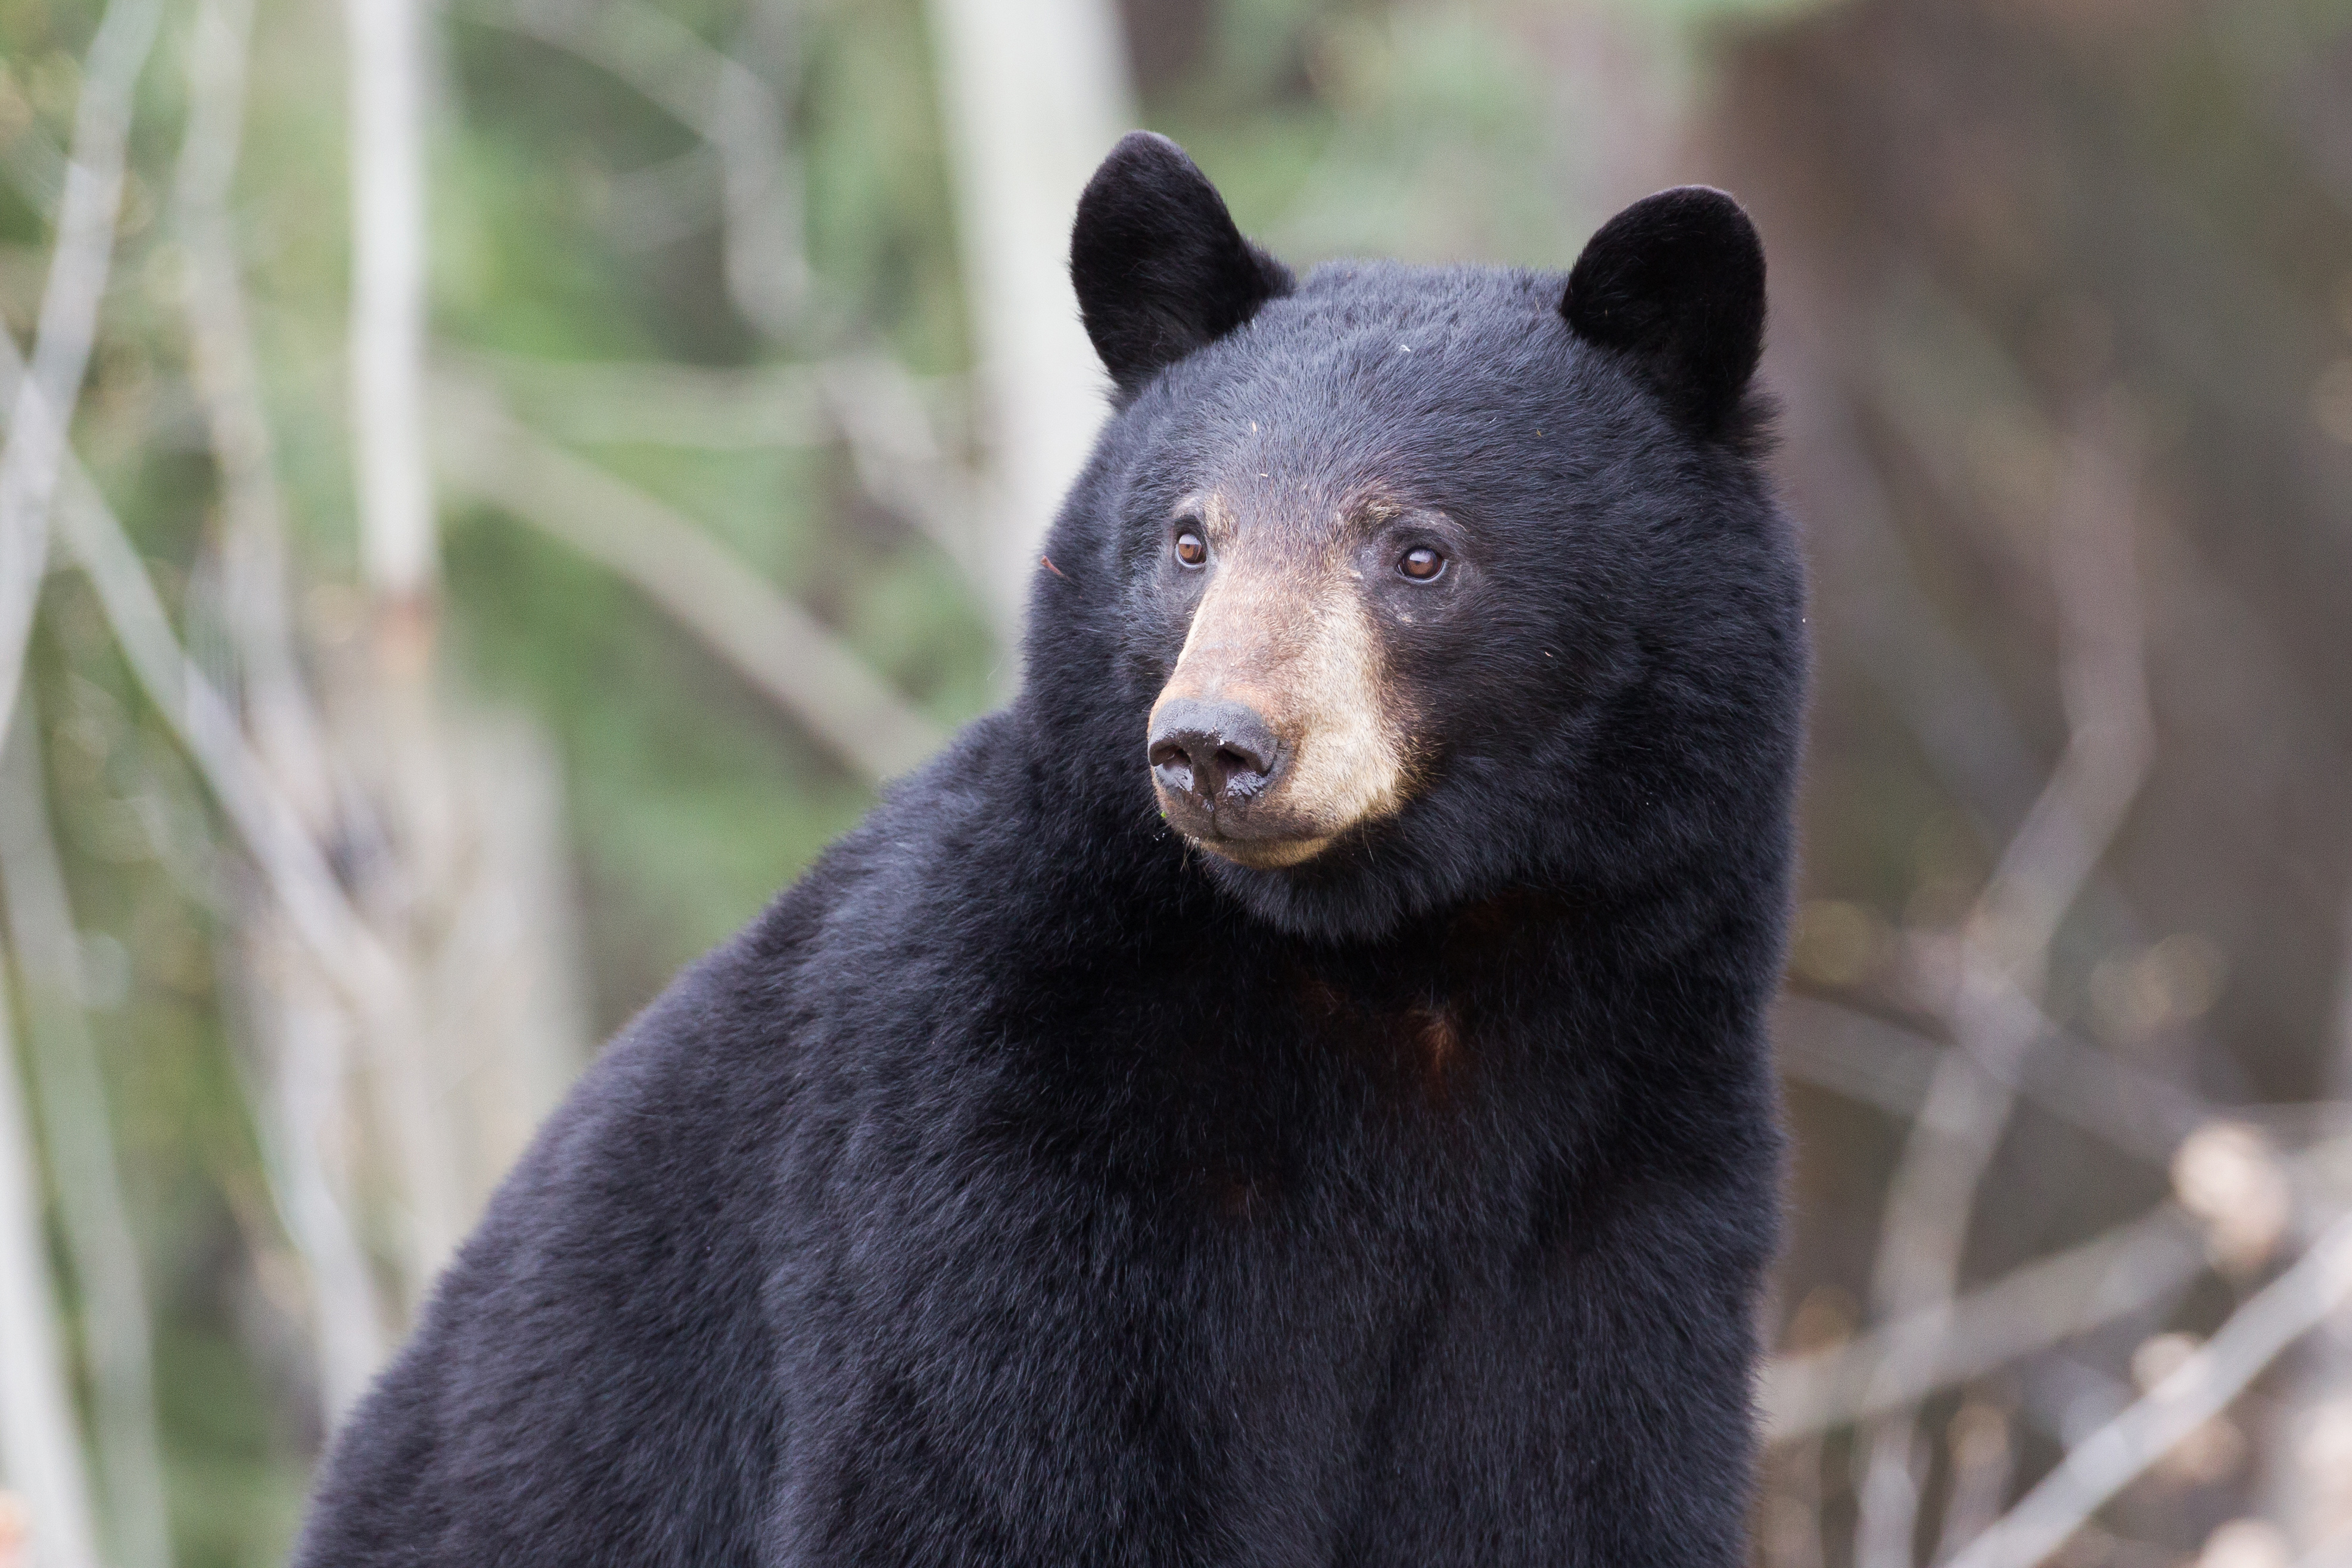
1438,1041
1419,1048
1238,1194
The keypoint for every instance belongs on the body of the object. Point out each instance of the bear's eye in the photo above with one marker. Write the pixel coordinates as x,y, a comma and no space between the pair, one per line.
1190,548
1421,563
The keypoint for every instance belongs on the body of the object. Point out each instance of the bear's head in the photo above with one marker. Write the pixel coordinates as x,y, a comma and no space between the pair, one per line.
1401,587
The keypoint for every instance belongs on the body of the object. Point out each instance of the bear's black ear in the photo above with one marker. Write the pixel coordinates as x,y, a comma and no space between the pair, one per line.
1678,280
1159,266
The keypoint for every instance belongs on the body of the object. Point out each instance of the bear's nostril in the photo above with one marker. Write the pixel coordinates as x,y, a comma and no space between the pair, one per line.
1233,759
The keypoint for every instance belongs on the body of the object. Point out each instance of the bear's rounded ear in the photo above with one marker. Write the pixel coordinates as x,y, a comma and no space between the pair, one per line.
1159,266
1677,280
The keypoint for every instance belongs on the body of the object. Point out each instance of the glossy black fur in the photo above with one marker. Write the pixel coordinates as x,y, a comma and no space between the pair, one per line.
1159,266
1023,1189
1677,280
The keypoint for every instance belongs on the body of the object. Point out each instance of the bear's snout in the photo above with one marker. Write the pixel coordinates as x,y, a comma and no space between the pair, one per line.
1275,732
1213,755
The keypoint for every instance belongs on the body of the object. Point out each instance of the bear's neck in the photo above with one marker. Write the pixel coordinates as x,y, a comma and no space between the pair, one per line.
1116,973
1100,880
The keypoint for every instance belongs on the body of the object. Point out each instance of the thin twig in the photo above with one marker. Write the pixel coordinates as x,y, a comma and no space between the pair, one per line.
2005,946
78,266
730,106
1984,1457
2311,1492
287,730
97,1225
291,860
40,1439
656,403
881,414
887,417
195,712
302,1118
1864,1057
300,1110
778,646
2103,1464
2006,942
2051,1299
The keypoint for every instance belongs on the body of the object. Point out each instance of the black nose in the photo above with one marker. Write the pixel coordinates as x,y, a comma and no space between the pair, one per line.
1218,752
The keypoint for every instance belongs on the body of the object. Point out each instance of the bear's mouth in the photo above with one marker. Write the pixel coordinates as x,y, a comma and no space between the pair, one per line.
1264,821
1259,853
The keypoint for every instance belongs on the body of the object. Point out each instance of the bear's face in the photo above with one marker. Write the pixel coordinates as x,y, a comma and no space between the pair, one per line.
1390,543
1341,607
1285,721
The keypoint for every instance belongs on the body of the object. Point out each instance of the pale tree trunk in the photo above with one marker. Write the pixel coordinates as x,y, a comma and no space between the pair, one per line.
506,976
398,545
398,553
300,1033
40,1443
100,1245
41,1438
1035,94
469,887
2309,1477
302,1107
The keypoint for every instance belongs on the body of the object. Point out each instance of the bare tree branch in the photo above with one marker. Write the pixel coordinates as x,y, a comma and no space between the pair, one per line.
2004,949
291,863
778,646
2039,1305
730,106
888,419
37,1438
302,1115
656,403
881,413
2006,944
68,323
40,1439
1984,1456
1864,1057
196,713
104,1253
301,1033
2103,1464
286,727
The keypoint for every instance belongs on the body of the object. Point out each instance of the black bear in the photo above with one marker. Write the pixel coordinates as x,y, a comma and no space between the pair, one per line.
1290,1089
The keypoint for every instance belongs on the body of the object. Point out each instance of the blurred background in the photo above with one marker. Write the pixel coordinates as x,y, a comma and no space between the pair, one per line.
487,491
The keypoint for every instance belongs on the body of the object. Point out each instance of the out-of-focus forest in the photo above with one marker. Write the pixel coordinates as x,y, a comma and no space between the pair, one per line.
487,491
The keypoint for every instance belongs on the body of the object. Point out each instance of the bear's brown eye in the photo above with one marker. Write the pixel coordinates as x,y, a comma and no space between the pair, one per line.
1191,549
1421,563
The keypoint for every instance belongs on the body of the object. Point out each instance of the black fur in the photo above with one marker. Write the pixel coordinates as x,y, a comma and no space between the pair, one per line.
1678,280
1022,1188
1159,266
